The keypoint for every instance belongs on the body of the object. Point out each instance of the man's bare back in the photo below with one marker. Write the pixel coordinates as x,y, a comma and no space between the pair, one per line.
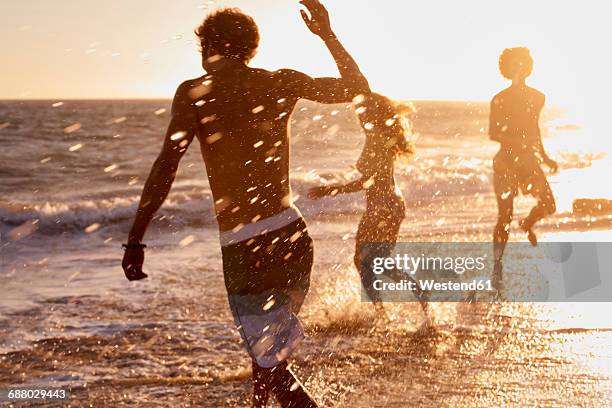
241,117
515,115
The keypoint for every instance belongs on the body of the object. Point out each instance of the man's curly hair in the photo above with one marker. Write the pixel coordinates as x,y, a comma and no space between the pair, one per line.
515,61
230,33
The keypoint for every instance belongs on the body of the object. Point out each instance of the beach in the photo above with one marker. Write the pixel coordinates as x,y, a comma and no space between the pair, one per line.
70,182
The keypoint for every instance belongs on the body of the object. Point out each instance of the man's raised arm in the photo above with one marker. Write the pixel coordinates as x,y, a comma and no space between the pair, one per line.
179,136
331,90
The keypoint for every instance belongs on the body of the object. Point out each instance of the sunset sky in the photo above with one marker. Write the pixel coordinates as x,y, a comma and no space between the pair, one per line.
414,50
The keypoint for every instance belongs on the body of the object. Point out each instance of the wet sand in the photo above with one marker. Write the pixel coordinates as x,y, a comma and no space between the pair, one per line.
171,341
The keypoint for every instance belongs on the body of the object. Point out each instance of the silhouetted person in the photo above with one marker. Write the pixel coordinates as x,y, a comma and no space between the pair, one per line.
239,115
386,130
514,123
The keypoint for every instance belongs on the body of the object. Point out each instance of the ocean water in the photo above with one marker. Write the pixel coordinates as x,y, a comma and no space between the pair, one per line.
71,174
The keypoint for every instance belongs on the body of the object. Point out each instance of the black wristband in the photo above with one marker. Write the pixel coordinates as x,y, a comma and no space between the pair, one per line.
134,246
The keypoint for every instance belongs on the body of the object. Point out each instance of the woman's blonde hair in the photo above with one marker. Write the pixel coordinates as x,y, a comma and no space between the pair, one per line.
389,120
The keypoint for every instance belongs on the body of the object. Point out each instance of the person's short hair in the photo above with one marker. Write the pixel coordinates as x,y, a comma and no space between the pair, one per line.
515,61
229,32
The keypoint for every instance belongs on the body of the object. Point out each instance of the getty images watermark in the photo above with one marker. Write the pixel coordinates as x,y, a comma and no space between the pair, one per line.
550,272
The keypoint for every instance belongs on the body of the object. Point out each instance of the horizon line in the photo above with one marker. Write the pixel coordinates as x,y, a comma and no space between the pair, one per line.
93,99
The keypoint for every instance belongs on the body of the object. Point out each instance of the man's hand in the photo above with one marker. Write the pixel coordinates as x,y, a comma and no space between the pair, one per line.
318,23
554,167
132,264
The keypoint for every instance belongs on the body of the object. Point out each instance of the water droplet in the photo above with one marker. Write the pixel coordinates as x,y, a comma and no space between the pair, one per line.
72,128
91,228
208,119
110,168
368,183
295,236
188,240
178,136
200,90
214,137
214,58
269,304
23,230
358,99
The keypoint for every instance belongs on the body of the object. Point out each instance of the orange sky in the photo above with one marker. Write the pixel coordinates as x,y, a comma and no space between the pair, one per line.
414,50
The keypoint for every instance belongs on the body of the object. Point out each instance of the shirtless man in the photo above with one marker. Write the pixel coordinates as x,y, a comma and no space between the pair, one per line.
514,123
240,114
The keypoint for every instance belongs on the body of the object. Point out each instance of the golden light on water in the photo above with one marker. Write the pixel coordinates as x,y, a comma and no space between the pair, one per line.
425,50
